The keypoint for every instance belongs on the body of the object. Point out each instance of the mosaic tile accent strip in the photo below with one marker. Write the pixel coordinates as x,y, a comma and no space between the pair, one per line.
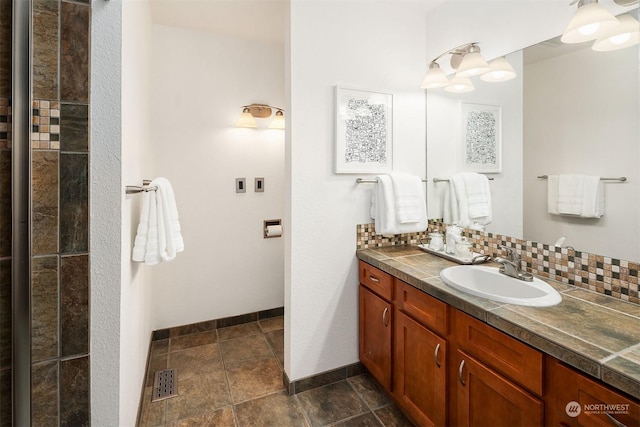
602,274
5,123
45,132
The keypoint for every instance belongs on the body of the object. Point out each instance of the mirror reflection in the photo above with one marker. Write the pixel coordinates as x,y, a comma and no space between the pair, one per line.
570,110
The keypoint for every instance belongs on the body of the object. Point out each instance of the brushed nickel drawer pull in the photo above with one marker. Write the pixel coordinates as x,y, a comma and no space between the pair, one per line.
460,372
374,279
614,421
435,355
385,321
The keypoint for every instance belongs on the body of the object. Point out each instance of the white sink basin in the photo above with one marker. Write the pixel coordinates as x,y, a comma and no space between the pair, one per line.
487,282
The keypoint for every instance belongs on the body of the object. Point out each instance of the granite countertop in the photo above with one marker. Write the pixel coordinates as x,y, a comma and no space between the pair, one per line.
592,332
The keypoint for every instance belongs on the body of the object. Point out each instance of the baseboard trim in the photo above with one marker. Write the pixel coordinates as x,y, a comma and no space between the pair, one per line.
323,378
208,325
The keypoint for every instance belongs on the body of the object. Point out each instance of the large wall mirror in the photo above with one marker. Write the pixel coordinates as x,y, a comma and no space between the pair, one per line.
571,110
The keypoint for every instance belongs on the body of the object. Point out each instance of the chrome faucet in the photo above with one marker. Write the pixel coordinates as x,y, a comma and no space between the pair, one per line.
511,265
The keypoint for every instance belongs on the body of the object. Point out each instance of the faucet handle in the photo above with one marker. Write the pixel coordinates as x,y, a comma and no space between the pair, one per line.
511,254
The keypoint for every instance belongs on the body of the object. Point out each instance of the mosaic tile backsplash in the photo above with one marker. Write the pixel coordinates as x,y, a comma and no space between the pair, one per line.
609,276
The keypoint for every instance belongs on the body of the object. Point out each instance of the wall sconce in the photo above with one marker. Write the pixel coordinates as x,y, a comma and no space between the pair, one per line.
468,62
250,112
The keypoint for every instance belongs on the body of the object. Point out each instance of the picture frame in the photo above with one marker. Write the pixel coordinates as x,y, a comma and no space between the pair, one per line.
364,131
481,138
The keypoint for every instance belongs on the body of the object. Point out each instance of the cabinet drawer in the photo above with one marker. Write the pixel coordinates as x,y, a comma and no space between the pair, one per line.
427,310
515,360
377,280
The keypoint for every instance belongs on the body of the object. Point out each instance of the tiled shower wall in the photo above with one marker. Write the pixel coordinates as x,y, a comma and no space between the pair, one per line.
60,215
609,276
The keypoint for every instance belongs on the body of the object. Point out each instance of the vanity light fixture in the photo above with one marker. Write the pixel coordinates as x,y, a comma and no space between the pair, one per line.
261,111
468,62
435,77
460,85
626,34
473,64
501,71
590,21
278,121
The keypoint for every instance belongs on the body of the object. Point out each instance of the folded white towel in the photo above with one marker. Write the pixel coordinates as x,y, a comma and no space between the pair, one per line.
169,233
468,200
570,194
409,197
152,254
552,194
142,234
158,236
386,222
478,197
575,195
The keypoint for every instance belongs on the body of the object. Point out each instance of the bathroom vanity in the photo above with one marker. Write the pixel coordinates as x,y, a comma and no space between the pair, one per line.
451,358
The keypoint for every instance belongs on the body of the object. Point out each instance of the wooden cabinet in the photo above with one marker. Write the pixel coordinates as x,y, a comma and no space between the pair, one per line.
444,367
420,355
420,372
486,398
498,379
576,400
375,324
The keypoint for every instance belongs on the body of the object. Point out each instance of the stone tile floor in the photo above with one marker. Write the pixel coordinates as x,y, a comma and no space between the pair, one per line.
233,377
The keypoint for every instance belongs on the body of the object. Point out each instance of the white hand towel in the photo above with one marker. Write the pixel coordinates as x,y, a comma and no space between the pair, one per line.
478,198
152,254
593,198
552,194
409,198
169,232
386,222
460,192
451,214
142,234
570,194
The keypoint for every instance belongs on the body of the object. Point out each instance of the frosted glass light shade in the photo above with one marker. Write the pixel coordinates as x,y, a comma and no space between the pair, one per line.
278,121
589,22
246,120
473,64
626,34
434,78
460,85
501,71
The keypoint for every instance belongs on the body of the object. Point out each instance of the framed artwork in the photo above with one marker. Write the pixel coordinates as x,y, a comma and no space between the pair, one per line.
364,134
480,142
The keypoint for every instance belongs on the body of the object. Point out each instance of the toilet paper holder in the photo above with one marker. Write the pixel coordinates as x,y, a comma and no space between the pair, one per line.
270,223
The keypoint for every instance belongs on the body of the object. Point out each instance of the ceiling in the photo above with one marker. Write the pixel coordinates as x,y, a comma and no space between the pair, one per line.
248,19
262,20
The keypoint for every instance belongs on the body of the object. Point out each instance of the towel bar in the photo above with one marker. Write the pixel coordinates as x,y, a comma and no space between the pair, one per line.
372,181
447,179
621,179
134,189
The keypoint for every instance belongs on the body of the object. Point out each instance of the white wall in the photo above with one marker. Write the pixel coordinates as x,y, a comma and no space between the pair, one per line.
582,114
136,290
200,82
377,46
444,139
105,208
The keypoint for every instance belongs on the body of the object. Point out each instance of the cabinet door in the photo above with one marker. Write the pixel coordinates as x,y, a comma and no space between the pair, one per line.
375,336
593,404
419,372
485,398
